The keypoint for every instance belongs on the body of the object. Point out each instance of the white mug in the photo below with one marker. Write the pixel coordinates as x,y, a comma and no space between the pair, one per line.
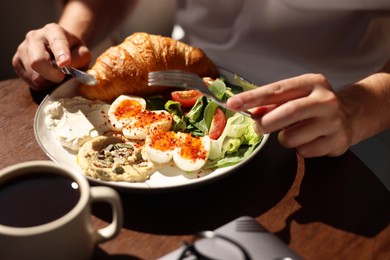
58,227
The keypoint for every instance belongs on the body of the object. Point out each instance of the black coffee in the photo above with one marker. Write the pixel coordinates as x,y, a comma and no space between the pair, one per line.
28,201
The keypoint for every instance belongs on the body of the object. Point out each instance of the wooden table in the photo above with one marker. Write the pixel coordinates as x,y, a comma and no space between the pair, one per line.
323,208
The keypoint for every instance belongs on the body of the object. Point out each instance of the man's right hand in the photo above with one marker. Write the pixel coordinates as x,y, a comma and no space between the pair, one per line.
33,58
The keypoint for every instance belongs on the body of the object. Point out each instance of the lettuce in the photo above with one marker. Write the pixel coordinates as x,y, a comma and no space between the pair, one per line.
244,83
237,142
218,87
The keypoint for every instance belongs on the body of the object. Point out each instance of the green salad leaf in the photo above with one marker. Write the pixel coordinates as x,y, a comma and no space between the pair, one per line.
173,107
236,143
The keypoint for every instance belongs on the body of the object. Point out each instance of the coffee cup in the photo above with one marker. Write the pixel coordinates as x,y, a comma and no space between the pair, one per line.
45,212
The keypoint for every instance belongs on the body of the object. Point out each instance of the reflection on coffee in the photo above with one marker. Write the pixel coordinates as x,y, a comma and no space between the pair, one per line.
32,200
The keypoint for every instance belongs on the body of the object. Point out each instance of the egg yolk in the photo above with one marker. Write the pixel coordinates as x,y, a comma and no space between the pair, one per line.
163,141
192,148
146,117
128,108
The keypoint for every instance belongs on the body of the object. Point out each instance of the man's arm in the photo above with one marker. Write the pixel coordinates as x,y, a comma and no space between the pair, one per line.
367,103
93,20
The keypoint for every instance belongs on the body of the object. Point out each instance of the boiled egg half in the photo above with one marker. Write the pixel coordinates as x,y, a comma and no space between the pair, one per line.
123,111
146,122
160,145
191,152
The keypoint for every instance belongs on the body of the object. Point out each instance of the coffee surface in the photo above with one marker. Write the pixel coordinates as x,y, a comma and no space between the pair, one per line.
36,199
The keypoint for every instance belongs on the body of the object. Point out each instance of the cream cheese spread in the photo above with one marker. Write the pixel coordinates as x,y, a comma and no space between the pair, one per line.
73,121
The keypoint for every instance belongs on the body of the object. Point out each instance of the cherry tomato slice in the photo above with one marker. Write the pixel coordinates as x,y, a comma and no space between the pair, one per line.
186,98
217,124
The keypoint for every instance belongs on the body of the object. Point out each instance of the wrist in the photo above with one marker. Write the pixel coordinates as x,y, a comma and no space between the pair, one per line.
365,105
77,19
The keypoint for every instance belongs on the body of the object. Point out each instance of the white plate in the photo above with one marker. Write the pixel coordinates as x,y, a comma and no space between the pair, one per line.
166,178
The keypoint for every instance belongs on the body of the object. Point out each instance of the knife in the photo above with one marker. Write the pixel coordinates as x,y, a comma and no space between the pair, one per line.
79,75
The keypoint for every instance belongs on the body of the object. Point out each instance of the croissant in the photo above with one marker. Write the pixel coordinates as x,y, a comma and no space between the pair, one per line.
123,69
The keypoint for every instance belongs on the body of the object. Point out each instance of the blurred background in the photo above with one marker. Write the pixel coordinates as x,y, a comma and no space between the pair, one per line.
17,17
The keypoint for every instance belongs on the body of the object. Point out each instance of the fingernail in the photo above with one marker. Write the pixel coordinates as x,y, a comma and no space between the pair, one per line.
61,59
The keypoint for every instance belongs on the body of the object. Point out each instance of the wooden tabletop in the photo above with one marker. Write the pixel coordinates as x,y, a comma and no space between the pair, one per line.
323,208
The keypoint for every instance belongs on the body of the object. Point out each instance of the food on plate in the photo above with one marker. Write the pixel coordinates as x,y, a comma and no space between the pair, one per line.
159,146
124,109
129,115
189,153
111,158
73,121
123,130
146,122
123,69
187,98
218,124
164,131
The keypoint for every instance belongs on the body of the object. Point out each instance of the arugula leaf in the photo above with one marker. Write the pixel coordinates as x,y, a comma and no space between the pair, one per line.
179,125
196,113
208,114
173,107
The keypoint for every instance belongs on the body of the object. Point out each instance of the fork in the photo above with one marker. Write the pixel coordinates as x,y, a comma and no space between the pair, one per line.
186,80
79,75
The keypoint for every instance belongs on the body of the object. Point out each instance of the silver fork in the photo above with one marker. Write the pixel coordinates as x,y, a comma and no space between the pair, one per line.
79,75
186,80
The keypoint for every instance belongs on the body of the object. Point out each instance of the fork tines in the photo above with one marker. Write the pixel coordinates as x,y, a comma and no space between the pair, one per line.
171,78
187,80
172,73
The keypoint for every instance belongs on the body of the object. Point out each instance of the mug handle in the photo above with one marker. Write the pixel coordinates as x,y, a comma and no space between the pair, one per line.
106,194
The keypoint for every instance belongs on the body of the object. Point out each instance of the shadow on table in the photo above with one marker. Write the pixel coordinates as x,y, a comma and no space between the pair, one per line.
38,96
344,196
100,254
251,191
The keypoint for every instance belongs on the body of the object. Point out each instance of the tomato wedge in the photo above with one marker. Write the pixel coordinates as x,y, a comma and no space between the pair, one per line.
187,98
217,124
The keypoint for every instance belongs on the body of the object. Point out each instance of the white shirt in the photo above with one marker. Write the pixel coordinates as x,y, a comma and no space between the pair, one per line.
269,40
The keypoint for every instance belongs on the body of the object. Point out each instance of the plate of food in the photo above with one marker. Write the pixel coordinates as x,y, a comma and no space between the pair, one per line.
124,134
